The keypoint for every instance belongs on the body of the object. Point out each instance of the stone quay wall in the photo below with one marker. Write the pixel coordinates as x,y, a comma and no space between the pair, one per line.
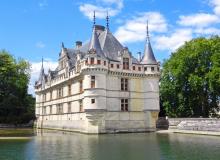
195,124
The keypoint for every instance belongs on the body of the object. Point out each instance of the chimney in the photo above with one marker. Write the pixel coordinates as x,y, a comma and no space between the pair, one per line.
139,56
78,44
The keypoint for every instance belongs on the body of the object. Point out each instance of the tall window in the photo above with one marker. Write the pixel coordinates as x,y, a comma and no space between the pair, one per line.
104,63
124,84
139,68
59,108
44,97
152,68
60,93
91,60
81,86
50,109
69,89
124,104
44,111
125,63
81,106
92,81
98,61
51,95
133,67
69,107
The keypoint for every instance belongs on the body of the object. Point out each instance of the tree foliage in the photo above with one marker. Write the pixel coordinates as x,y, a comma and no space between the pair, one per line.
16,106
190,82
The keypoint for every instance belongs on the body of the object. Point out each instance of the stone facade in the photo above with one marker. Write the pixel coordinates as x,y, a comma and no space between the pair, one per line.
195,124
99,87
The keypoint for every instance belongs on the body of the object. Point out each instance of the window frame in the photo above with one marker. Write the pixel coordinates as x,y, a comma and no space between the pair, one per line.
81,86
124,105
69,89
69,109
81,106
126,63
92,60
92,100
92,82
124,84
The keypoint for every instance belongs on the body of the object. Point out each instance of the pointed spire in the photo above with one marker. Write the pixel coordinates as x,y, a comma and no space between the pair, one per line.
95,44
62,45
41,76
94,18
42,62
107,21
148,57
148,37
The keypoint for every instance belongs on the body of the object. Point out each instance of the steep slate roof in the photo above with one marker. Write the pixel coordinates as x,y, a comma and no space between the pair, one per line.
41,78
109,44
102,41
95,44
148,57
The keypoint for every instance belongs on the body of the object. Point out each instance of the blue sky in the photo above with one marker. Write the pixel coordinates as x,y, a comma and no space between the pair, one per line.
33,29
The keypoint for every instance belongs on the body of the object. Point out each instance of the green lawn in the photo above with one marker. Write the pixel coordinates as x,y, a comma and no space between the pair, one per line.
16,132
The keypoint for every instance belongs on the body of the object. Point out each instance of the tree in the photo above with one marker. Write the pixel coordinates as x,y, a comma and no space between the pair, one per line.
15,103
190,82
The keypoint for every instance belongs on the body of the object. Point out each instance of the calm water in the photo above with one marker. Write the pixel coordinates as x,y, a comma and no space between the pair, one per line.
49,145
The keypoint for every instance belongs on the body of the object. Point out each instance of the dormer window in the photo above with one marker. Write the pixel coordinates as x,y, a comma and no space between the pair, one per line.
139,68
145,68
118,66
133,67
92,60
125,63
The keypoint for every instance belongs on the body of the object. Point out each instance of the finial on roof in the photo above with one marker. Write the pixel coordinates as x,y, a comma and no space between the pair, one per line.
107,21
42,62
148,57
93,18
62,45
147,31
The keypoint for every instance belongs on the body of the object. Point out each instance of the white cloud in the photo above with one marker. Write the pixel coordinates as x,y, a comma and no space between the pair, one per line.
216,5
207,31
198,20
112,6
35,71
135,29
40,44
42,4
175,40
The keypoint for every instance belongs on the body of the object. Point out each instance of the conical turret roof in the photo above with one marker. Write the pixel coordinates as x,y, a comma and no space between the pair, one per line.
42,75
94,44
148,57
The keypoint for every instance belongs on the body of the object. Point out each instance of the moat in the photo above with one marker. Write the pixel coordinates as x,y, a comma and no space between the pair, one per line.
51,145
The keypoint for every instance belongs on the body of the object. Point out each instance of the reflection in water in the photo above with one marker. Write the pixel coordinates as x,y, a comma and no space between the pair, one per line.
51,145
188,147
80,146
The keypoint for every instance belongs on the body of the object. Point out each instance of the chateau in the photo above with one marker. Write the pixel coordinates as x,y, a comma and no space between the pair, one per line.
100,87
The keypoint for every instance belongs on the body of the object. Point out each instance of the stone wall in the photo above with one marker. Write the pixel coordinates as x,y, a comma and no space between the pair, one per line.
101,122
195,124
